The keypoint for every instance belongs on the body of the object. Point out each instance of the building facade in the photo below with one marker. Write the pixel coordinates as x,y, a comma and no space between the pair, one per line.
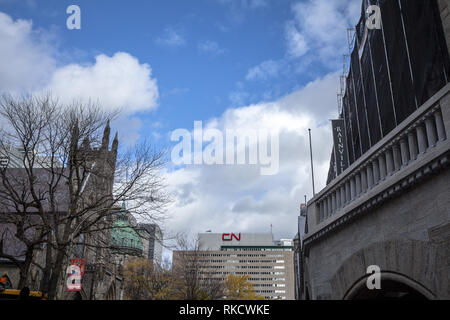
268,264
152,238
390,207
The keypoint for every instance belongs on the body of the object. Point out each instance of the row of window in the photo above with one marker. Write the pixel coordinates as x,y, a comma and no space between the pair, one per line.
245,273
243,255
244,267
267,279
258,249
123,242
256,267
275,298
279,285
241,261
270,291
260,273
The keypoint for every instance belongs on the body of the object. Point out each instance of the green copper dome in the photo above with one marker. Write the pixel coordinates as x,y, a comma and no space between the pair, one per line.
124,237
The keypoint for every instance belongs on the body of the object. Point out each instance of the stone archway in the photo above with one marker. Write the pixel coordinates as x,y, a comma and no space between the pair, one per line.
393,287
406,265
111,294
77,295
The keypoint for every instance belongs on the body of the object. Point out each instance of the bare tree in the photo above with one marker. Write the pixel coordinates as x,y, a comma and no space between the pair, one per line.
193,280
62,181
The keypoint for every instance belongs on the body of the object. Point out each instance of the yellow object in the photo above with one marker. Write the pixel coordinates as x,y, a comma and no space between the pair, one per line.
14,294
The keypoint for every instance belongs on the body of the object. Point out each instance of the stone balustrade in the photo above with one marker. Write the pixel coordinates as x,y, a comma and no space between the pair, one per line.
423,131
404,149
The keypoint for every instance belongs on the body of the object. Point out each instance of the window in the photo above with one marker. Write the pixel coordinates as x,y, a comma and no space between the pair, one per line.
4,161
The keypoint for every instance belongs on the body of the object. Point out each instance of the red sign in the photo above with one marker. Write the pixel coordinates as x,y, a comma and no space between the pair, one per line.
230,236
75,275
79,263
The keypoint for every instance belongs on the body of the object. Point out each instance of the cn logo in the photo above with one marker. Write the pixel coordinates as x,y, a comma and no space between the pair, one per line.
230,236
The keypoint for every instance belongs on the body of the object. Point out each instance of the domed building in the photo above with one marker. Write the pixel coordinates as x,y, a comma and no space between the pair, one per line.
125,240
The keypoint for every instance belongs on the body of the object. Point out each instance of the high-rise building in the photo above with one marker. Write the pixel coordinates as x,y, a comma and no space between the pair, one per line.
389,75
152,236
267,263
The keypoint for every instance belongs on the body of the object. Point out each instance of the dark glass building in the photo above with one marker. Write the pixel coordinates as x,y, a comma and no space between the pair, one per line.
393,71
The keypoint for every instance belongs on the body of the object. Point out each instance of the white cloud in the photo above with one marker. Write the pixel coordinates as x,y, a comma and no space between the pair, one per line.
245,4
238,198
315,36
210,47
239,97
128,129
29,3
239,9
265,70
171,38
26,60
119,81
320,27
297,45
29,64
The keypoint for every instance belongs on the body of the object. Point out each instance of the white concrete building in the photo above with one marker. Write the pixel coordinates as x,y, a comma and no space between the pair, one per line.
268,263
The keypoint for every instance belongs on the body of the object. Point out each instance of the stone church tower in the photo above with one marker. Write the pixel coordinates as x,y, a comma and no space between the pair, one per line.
102,279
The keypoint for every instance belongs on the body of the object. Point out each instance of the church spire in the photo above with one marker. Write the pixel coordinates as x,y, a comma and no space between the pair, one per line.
106,133
115,144
86,144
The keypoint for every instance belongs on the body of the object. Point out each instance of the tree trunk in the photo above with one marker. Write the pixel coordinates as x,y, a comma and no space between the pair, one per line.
25,269
45,284
56,273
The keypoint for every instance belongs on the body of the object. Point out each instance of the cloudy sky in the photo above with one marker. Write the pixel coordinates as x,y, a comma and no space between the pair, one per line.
232,64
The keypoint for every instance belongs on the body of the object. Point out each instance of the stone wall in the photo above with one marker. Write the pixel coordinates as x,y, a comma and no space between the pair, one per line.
444,8
409,235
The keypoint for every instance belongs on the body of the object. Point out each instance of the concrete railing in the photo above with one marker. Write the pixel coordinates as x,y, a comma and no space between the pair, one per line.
405,147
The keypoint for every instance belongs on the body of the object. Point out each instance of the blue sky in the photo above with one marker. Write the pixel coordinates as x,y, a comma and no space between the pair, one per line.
199,74
230,63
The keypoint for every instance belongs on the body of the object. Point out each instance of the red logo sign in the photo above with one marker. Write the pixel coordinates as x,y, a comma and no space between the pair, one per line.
230,236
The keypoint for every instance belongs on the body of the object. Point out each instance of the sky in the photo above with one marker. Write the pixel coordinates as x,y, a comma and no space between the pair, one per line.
233,64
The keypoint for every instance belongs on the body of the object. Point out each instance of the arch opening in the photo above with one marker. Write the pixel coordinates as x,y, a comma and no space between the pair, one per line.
390,290
76,296
394,286
111,294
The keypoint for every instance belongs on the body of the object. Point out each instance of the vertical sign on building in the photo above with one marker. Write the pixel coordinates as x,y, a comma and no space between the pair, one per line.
340,145
75,274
